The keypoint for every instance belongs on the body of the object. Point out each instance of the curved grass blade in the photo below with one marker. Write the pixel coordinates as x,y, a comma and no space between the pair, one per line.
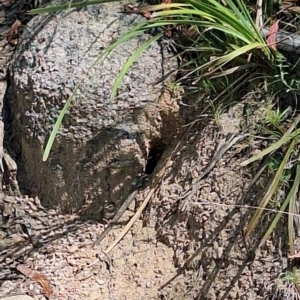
273,147
57,125
65,6
270,192
220,62
285,138
235,16
290,199
129,63
212,25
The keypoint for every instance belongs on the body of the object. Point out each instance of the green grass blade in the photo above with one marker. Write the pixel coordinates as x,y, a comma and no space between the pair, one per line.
65,6
227,30
129,63
231,16
136,31
237,29
238,52
285,139
57,125
219,62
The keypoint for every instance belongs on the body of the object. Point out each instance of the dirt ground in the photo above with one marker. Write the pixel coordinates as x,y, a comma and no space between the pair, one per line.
185,246
188,244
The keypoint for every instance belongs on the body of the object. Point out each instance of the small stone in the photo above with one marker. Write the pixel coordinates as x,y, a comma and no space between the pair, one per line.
100,281
73,249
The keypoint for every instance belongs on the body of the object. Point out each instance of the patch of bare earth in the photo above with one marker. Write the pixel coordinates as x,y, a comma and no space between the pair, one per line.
187,245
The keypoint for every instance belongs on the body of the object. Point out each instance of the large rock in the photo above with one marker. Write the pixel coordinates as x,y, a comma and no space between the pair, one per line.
104,142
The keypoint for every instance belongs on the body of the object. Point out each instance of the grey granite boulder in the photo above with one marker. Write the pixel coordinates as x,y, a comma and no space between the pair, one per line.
104,143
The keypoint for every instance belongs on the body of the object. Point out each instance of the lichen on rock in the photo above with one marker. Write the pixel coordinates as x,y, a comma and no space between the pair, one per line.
98,133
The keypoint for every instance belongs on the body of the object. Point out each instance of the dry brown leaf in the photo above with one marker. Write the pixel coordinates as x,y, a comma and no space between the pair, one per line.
271,39
147,15
38,277
13,33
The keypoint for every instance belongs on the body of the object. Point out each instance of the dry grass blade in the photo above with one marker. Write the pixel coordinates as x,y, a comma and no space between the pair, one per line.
297,211
285,139
259,14
288,200
271,191
292,210
133,219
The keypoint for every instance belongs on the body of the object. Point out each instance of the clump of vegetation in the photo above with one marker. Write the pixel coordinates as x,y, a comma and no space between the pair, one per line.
287,285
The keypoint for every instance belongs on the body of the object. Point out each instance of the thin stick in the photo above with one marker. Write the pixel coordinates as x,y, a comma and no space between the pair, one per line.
131,222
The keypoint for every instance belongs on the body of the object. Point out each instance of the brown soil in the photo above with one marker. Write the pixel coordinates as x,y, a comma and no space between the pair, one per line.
184,247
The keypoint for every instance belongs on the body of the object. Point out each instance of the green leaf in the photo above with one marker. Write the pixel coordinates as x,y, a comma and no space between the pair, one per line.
57,125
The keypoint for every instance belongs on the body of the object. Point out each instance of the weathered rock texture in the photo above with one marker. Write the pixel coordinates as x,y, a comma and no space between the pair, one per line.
103,143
